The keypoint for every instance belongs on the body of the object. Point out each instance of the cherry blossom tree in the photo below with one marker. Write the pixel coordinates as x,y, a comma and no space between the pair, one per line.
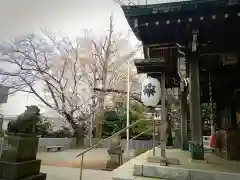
63,73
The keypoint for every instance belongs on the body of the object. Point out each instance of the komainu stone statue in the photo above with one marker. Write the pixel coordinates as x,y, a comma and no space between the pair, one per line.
19,151
26,122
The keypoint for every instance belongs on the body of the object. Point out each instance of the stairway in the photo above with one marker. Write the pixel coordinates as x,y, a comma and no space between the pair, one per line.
139,169
128,171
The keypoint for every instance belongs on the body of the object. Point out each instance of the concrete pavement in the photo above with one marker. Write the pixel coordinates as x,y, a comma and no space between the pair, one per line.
65,173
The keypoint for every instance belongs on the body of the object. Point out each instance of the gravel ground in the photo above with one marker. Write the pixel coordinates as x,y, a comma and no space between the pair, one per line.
94,159
70,155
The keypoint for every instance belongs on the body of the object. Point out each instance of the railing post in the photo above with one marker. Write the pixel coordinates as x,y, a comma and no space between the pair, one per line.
164,122
81,168
154,133
109,138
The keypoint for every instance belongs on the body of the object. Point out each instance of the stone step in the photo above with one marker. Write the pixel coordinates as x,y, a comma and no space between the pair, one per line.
128,174
146,178
40,176
17,170
123,174
135,178
176,173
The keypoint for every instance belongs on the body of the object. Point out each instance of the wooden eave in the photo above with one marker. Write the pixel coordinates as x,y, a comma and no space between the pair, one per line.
218,24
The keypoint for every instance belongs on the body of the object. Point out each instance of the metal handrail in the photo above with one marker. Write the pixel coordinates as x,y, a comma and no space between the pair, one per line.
109,138
115,134
149,129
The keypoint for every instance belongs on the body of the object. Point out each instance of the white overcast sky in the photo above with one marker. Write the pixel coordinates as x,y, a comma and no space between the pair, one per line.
19,17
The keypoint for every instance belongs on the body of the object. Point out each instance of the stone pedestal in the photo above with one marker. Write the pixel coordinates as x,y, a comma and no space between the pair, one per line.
18,159
162,161
115,159
115,154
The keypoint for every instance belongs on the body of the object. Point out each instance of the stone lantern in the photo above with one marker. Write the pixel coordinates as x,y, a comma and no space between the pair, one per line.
115,153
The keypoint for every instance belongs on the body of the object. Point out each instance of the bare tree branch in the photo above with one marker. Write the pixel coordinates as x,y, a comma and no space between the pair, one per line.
64,74
134,96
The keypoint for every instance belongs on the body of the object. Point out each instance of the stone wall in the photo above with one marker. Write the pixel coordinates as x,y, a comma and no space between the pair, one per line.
70,143
134,144
67,143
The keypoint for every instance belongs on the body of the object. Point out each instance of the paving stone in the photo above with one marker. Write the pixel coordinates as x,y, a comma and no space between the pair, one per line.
138,170
163,162
147,178
211,175
166,172
126,174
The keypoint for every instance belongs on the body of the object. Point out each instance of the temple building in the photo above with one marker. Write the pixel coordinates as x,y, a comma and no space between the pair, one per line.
195,46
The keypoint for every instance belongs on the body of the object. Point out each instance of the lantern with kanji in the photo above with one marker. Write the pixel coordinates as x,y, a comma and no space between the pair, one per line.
151,92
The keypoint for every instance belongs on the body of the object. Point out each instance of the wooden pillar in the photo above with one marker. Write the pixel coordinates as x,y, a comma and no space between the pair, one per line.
1,126
197,150
183,121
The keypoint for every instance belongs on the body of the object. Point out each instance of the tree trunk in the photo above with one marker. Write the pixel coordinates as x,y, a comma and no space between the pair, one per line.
99,119
77,128
102,98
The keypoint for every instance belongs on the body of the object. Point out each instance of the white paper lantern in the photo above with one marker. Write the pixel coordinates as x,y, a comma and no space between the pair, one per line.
151,92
